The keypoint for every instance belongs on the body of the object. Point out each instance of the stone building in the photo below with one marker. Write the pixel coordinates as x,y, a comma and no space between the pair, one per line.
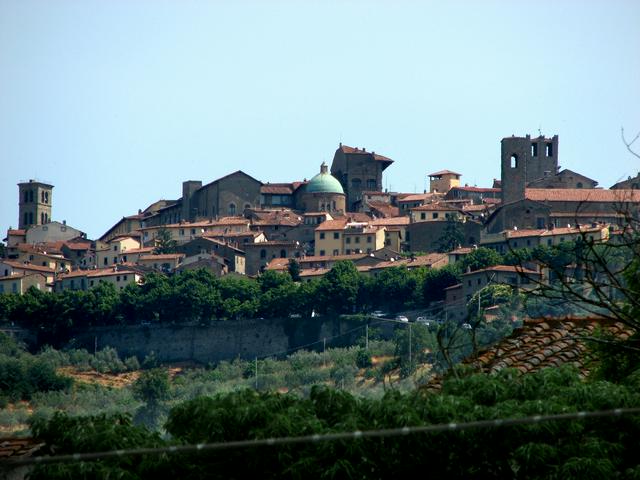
443,181
34,203
358,171
631,183
323,193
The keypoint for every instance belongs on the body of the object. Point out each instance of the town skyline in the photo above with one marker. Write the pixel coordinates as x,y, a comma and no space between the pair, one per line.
116,105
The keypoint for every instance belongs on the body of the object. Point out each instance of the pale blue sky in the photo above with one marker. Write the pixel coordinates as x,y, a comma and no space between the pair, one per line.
117,102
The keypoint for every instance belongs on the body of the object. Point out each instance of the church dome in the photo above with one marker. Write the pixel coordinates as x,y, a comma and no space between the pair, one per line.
324,182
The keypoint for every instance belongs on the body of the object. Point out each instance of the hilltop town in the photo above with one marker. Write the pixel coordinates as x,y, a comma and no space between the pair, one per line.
239,225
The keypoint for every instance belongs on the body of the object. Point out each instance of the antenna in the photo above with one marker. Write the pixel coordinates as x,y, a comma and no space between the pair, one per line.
540,129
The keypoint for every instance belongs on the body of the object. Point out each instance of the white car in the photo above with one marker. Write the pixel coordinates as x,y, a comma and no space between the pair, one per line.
402,318
378,314
467,326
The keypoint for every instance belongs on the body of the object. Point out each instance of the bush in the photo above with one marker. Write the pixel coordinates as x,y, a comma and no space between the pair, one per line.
363,359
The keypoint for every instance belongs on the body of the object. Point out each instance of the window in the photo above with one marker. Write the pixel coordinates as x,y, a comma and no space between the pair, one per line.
193,231
368,250
263,253
26,197
336,235
14,287
357,239
322,235
73,283
31,196
31,217
348,240
469,283
435,215
348,252
91,283
336,251
549,241
232,209
371,184
46,197
540,223
369,239
115,248
322,253
534,149
247,206
124,258
528,243
549,150
479,281
42,218
514,161
515,244
423,216
106,261
182,231
283,253
117,278
356,183
26,218
579,185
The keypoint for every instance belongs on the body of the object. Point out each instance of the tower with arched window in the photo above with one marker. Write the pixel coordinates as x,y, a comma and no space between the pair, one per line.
34,203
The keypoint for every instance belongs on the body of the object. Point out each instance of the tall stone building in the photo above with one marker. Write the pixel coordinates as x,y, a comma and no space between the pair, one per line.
524,160
358,171
34,203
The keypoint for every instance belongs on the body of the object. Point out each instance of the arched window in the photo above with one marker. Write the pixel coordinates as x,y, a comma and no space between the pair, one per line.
42,218
263,253
356,183
371,184
514,161
31,196
46,197
334,205
232,209
31,215
283,253
247,205
26,197
42,196
579,185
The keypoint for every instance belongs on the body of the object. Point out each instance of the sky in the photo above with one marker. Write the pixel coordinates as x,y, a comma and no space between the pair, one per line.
117,102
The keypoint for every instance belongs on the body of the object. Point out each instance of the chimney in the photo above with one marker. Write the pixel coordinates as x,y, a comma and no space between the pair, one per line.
64,222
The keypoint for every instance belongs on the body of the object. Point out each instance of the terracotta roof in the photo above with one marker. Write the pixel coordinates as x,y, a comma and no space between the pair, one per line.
137,250
581,195
384,208
27,266
392,221
164,256
352,150
443,172
461,251
415,197
277,188
491,201
433,207
504,268
358,217
542,343
11,448
17,231
271,243
99,272
418,261
338,224
477,189
520,233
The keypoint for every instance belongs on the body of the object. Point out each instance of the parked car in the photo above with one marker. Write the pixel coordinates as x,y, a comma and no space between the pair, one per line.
467,326
378,314
427,322
402,318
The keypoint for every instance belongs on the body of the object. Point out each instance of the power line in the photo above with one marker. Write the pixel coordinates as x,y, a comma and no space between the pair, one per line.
354,435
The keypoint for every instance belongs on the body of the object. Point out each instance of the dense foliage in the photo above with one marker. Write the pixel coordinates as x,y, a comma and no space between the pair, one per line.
597,448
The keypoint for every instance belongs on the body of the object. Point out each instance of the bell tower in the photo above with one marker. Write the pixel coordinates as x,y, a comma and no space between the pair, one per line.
34,203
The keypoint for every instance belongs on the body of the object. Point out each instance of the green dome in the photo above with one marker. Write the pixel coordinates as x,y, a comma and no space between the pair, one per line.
324,182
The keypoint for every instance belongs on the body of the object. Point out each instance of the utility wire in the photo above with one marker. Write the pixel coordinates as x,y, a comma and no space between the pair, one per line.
355,435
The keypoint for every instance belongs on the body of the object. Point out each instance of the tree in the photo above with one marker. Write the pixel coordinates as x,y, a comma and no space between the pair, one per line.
294,269
478,259
164,242
339,288
452,236
436,280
